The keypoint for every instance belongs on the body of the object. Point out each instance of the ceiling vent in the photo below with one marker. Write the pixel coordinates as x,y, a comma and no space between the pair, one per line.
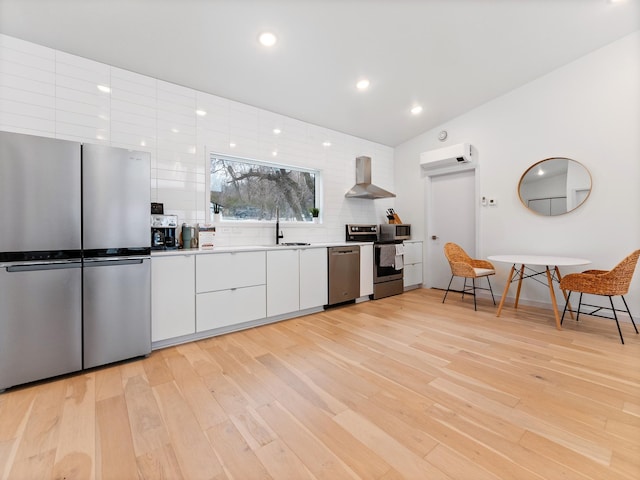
363,187
446,157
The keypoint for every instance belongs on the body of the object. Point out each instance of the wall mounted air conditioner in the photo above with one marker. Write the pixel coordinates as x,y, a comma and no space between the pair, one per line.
446,157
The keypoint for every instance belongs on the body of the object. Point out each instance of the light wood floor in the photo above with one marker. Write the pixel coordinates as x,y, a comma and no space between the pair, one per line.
402,387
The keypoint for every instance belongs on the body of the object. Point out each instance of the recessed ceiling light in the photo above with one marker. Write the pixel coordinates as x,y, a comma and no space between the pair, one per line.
326,144
232,145
201,113
274,153
416,110
143,143
268,39
104,88
276,131
362,84
175,130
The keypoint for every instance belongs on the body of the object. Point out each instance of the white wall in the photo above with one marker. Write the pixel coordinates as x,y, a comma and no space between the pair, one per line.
588,110
50,93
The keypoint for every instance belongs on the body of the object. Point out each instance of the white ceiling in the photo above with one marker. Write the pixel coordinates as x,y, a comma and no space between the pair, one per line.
447,55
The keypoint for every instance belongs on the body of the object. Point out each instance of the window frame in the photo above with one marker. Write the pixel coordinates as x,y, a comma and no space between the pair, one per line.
211,154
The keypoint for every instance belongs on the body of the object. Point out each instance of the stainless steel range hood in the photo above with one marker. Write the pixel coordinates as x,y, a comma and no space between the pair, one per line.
363,187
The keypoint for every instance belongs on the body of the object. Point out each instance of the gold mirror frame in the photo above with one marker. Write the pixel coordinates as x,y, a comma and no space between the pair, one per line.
554,186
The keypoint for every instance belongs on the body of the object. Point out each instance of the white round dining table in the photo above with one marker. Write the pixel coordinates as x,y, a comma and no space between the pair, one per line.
521,269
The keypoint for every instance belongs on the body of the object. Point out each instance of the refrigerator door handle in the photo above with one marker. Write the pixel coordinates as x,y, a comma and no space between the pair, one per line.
103,262
42,266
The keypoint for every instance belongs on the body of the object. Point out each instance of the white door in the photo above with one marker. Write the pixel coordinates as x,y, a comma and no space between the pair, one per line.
451,217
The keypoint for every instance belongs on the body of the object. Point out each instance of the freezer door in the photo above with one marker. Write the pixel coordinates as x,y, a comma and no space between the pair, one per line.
39,194
117,310
116,195
40,321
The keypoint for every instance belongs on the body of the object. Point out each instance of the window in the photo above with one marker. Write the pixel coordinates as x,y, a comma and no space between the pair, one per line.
243,190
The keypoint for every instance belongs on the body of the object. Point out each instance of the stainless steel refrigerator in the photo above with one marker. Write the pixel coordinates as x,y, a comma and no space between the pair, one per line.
75,283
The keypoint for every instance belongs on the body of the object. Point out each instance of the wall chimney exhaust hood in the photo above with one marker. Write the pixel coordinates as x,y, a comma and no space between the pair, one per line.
363,187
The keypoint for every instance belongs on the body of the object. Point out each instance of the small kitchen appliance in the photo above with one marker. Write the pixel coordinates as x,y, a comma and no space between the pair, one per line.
163,232
395,231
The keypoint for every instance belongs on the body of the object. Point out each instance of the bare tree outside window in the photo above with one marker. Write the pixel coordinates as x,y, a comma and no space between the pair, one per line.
250,190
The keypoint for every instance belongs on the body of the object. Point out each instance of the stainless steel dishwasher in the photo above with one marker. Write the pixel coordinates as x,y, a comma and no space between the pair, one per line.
344,274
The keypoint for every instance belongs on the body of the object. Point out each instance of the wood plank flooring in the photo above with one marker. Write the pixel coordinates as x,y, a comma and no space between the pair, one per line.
399,388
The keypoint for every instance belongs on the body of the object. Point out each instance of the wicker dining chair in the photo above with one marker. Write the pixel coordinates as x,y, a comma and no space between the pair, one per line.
462,265
607,283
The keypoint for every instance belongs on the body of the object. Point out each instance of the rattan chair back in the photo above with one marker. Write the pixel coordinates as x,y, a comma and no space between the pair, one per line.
603,282
462,265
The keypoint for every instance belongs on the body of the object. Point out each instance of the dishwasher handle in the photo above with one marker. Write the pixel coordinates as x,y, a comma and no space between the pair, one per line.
344,251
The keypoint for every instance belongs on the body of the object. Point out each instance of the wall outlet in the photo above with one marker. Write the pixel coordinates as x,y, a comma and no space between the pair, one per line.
493,202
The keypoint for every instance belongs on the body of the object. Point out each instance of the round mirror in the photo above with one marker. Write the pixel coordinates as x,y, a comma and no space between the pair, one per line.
554,186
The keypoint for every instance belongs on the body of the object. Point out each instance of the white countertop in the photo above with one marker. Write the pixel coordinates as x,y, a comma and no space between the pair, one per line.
249,248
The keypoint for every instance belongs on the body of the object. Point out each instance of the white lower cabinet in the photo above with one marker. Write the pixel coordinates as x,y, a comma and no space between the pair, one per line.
172,297
283,282
412,263
196,293
296,280
366,270
314,280
230,289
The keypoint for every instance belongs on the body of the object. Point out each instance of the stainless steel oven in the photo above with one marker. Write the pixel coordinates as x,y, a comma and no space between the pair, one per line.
388,268
388,259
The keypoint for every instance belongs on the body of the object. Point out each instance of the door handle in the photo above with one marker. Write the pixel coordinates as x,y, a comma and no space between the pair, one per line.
434,237
43,266
105,262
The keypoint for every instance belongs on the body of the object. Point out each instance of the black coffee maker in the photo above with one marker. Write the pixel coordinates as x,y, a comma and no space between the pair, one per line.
163,230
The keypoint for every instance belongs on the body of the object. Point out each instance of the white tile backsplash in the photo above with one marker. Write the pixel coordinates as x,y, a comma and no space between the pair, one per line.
26,53
51,93
12,122
26,84
38,72
82,97
26,108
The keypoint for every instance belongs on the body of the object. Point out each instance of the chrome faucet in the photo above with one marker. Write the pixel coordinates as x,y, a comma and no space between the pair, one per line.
279,234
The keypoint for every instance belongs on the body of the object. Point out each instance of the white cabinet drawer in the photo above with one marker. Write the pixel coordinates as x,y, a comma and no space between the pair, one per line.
230,307
412,275
221,271
412,252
